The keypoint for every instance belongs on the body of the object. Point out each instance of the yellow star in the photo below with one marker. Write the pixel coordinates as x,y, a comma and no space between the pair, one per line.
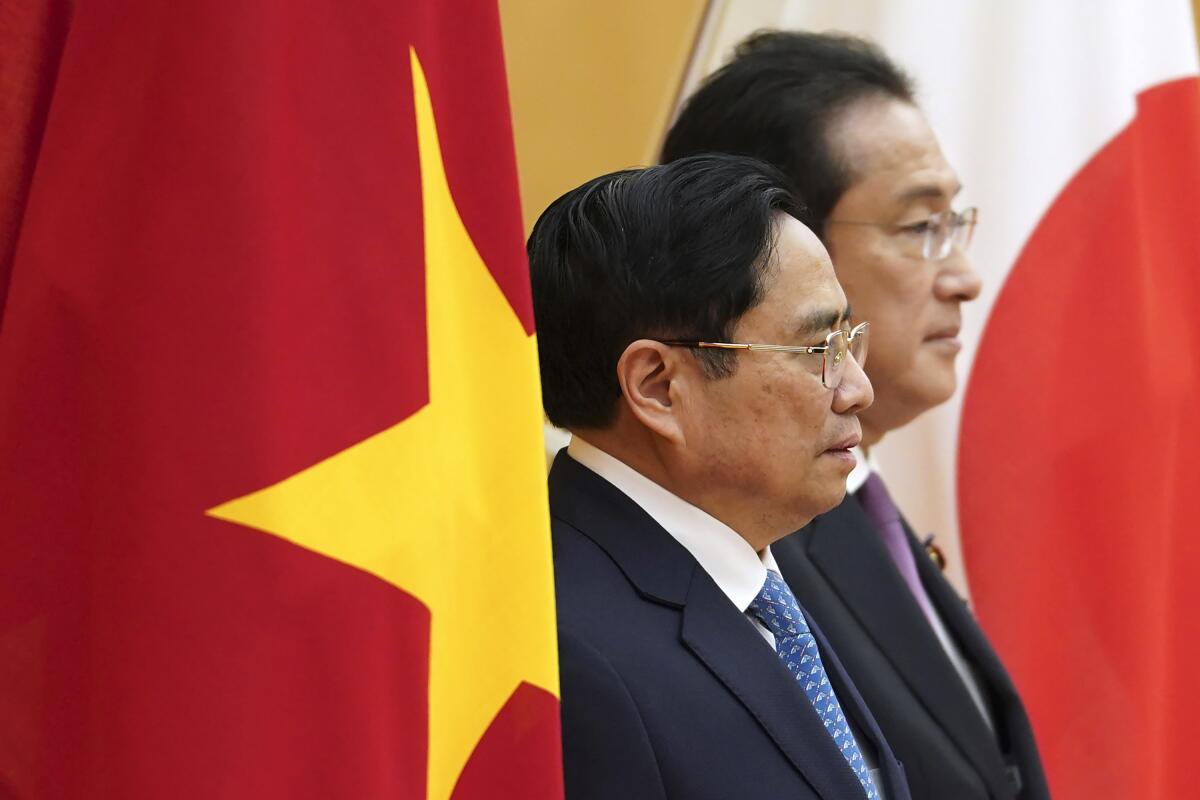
450,504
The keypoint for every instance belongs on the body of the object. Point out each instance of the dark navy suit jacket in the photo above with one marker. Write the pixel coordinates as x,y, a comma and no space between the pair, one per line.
841,572
668,690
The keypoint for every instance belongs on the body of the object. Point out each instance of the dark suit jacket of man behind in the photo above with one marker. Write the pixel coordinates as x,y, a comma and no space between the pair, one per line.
669,691
843,575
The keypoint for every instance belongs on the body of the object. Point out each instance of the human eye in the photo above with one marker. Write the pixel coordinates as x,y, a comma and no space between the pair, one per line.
918,228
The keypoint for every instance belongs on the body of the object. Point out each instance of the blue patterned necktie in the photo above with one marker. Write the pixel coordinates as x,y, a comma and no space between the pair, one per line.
776,607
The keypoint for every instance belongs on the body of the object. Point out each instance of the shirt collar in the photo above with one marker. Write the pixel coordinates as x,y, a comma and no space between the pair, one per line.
862,470
729,560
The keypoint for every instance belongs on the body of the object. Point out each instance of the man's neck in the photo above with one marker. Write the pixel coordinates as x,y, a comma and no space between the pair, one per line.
648,460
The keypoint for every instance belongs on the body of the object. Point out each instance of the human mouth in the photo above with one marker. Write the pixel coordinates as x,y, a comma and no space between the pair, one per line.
841,450
945,339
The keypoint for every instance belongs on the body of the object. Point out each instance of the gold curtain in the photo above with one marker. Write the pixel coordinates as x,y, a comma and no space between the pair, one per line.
592,86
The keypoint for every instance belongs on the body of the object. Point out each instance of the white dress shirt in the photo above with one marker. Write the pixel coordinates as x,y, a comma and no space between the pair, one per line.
729,560
854,481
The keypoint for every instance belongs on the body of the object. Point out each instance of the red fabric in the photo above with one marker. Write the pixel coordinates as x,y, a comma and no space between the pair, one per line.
497,769
222,245
31,38
1079,467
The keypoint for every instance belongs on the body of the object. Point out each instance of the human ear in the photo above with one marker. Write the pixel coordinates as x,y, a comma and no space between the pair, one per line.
649,374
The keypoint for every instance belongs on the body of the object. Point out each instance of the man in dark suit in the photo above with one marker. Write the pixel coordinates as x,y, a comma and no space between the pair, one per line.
840,120
688,669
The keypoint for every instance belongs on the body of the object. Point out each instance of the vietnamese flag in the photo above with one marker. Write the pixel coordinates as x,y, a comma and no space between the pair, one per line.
272,490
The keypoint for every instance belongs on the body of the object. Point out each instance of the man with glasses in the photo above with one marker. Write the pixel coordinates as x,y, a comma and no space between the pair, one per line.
840,119
695,342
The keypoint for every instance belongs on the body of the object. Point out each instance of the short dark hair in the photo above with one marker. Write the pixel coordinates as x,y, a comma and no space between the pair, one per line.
677,251
777,99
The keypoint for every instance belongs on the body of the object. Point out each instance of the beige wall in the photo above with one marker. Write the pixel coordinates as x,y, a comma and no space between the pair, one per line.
592,86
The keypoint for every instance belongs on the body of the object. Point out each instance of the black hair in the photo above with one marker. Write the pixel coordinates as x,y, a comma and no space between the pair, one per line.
671,252
777,99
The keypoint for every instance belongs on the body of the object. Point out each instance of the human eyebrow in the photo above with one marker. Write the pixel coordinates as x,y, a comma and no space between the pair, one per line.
823,320
928,191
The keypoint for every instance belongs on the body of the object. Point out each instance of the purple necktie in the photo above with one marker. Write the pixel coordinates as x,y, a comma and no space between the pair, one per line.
883,512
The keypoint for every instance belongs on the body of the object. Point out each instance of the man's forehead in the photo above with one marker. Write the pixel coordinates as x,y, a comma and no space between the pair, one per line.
888,147
801,292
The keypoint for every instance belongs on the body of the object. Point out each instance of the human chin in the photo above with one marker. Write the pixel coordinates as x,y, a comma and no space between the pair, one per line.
826,492
937,379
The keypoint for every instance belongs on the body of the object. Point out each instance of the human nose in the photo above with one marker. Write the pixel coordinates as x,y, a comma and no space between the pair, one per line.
957,280
854,393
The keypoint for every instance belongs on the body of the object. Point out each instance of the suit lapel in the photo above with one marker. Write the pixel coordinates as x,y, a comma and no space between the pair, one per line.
1011,719
960,622
845,547
734,651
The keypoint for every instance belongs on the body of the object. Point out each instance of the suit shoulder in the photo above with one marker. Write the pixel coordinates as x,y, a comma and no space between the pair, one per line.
598,605
577,557
585,575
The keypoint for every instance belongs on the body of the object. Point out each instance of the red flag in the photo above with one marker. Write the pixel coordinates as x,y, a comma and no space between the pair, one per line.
274,514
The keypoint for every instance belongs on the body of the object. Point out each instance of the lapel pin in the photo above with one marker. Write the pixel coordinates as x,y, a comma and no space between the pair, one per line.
935,553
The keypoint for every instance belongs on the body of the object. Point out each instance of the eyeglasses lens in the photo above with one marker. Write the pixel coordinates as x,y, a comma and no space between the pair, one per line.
965,228
858,347
948,230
